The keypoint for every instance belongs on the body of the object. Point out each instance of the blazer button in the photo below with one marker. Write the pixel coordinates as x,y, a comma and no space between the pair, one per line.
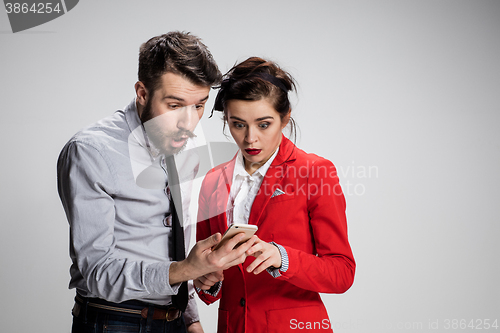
242,302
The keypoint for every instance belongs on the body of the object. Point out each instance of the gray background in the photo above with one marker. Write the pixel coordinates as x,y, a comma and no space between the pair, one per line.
403,96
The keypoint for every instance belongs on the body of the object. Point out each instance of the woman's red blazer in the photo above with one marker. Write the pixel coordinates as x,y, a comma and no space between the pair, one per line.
308,220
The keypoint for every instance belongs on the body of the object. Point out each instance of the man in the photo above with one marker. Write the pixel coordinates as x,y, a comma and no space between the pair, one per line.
124,185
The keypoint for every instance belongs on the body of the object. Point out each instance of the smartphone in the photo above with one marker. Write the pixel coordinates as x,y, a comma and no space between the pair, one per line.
248,229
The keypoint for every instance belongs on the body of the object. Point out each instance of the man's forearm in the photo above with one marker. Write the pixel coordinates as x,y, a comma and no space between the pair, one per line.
181,271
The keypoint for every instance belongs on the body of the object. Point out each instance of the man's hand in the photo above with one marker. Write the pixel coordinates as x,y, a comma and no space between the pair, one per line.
195,328
203,260
206,281
266,255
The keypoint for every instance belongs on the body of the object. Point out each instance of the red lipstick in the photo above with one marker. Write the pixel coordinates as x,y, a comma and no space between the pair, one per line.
251,151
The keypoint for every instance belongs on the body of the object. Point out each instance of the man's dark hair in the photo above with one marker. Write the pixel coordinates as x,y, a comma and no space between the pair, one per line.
179,53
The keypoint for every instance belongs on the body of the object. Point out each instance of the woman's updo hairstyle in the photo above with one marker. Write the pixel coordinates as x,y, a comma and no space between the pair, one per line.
255,79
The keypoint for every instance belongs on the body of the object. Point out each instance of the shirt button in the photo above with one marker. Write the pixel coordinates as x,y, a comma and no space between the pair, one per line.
242,302
167,221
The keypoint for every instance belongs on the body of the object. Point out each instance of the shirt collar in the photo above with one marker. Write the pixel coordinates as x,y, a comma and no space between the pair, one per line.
138,131
239,167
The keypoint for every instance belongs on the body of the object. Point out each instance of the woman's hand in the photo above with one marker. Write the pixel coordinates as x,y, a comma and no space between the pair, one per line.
266,255
206,281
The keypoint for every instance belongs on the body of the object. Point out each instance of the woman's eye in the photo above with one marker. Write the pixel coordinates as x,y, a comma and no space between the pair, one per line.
199,107
238,125
173,106
264,125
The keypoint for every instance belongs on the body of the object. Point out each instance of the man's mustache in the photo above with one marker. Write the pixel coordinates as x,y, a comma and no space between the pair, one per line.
182,134
155,131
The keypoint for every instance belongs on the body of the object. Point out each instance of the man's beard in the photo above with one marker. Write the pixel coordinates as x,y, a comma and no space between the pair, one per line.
161,136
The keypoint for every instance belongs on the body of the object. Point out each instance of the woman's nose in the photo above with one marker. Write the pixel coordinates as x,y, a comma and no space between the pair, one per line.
251,136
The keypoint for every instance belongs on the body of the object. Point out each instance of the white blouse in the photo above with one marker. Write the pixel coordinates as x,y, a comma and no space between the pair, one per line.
244,189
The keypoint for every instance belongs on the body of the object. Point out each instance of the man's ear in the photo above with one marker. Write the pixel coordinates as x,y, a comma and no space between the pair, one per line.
142,93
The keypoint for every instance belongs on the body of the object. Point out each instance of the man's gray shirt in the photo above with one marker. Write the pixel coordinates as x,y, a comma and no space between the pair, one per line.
119,228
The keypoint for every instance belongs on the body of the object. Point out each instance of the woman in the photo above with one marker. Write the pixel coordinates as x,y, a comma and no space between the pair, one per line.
301,247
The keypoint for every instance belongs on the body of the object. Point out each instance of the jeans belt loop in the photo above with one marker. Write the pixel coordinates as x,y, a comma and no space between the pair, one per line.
149,319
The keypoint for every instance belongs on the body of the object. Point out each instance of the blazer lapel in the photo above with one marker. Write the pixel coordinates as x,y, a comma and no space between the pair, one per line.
273,179
223,189
271,182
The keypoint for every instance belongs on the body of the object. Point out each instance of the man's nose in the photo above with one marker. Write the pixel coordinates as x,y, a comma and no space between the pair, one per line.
187,118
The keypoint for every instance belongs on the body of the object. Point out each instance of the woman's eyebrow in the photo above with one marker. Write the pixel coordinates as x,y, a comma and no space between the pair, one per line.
236,118
264,118
258,119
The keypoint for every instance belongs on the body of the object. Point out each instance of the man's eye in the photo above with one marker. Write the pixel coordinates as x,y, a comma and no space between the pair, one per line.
174,106
199,107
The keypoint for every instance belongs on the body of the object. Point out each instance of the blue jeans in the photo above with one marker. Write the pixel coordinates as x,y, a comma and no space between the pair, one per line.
93,321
